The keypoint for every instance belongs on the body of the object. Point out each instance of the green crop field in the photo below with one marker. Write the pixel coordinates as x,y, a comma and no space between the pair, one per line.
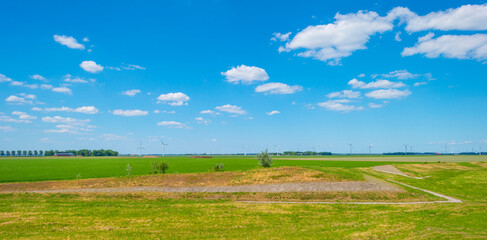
20,169
148,216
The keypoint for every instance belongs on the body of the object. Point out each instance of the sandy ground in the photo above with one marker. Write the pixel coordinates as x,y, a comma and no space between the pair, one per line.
392,170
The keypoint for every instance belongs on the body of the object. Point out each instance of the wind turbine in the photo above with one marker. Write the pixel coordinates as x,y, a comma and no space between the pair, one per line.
245,153
163,148
405,149
370,148
277,147
140,148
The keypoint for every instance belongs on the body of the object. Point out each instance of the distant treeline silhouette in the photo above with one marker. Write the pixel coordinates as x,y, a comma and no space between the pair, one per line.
47,153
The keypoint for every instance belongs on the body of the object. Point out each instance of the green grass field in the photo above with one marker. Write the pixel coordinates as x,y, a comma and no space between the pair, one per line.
53,168
148,216
191,216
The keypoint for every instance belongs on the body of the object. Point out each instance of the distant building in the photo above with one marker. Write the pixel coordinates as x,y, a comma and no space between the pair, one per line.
64,154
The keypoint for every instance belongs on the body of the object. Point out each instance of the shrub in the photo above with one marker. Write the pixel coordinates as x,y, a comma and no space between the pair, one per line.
160,166
265,159
218,167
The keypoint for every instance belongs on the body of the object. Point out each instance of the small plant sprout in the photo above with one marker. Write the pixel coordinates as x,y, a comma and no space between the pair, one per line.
78,176
129,169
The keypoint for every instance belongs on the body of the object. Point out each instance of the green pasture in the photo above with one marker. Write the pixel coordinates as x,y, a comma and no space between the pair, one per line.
18,169
145,216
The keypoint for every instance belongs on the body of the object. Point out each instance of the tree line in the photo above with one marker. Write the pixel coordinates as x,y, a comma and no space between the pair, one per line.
47,153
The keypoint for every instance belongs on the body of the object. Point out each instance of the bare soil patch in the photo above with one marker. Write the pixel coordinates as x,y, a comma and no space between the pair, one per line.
258,176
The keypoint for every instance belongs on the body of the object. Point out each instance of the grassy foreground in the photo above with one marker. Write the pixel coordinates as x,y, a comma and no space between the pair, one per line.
150,215
53,168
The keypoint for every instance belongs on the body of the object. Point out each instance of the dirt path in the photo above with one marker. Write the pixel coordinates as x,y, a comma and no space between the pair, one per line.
448,199
371,185
392,170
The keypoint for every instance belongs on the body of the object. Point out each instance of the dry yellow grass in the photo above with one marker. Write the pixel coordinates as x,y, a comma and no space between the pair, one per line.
257,176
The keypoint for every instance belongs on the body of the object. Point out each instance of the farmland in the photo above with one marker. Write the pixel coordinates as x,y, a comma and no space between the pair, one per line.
169,215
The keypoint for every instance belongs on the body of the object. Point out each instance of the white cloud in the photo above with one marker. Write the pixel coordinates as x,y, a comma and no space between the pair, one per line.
245,74
38,77
112,137
21,98
67,120
173,99
377,84
278,88
64,90
388,94
130,113
36,109
397,37
164,111
375,105
69,78
68,41
344,94
420,83
23,115
273,112
4,78
91,66
466,17
131,93
207,112
332,42
84,109
7,129
70,129
281,37
231,109
171,124
339,105
133,67
450,46
86,39
201,120
46,86
15,120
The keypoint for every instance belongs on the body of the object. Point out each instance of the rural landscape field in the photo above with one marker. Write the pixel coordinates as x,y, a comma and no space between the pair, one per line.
49,201
243,119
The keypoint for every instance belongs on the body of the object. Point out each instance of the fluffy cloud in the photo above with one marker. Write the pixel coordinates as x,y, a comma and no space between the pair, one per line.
173,99
201,120
231,109
21,98
91,66
281,37
466,17
131,93
69,42
64,90
65,128
420,83
245,74
332,42
273,112
344,94
451,46
84,109
130,113
23,115
278,88
4,78
38,77
377,84
388,94
375,105
171,124
339,105
67,120
70,79
17,120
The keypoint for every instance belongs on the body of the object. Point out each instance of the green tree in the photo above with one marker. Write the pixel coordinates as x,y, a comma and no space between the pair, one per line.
36,153
19,153
24,153
265,159
8,153
84,152
29,153
41,152
2,153
13,153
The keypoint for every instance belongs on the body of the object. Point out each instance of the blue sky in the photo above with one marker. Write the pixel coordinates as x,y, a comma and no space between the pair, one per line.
216,76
